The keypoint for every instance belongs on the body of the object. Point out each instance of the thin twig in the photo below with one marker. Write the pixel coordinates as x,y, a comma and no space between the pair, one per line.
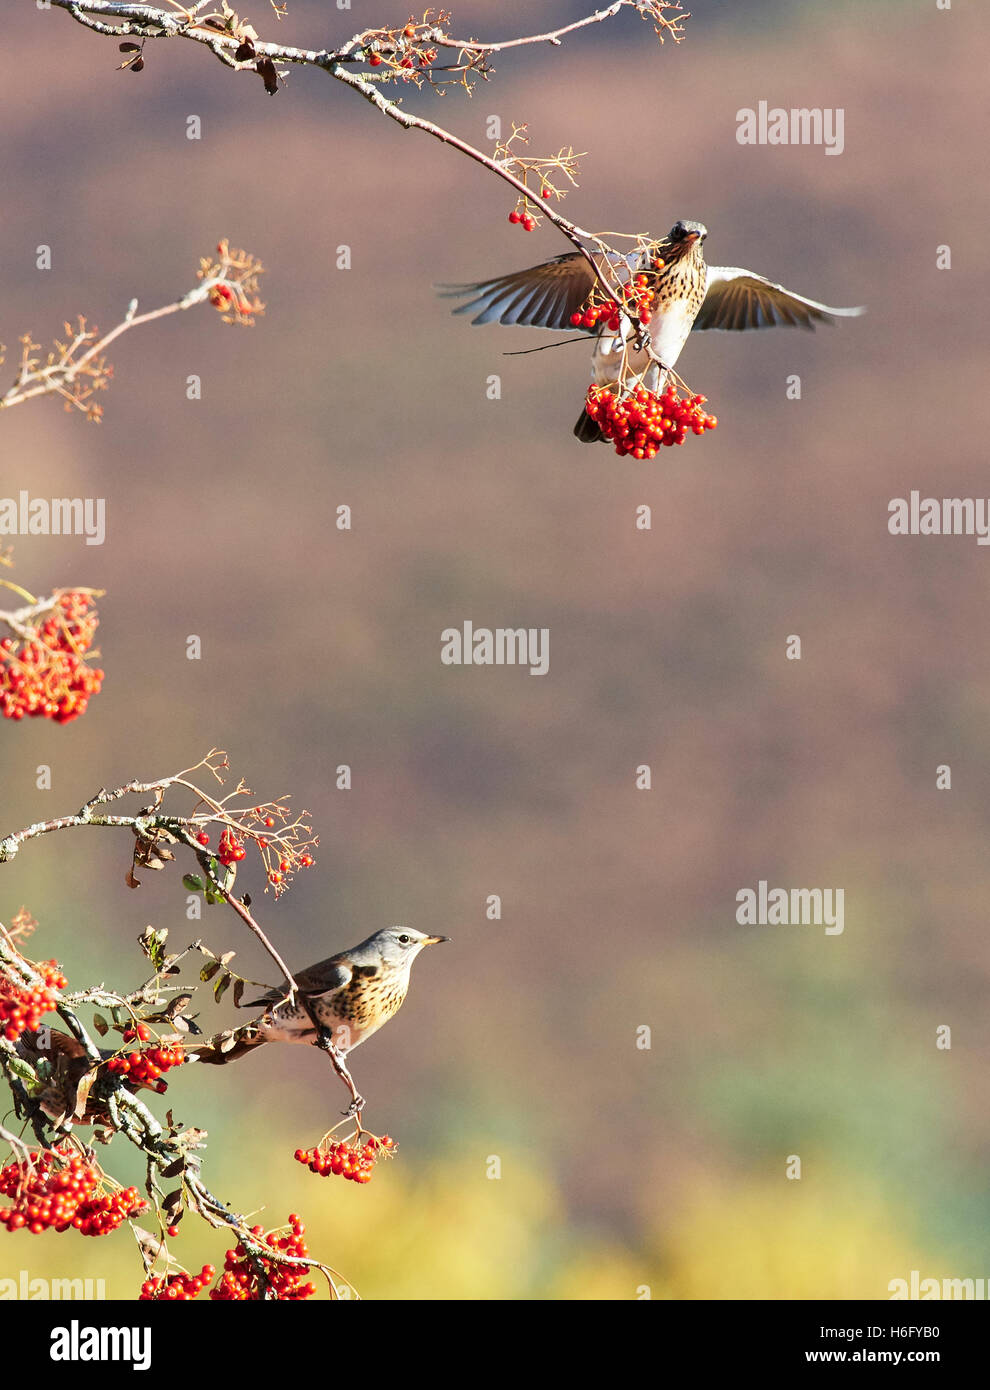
225,38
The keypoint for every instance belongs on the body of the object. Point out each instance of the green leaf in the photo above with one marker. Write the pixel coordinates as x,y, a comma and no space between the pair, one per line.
153,945
193,882
20,1068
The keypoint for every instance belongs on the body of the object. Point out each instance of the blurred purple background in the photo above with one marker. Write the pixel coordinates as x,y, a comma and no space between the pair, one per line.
321,647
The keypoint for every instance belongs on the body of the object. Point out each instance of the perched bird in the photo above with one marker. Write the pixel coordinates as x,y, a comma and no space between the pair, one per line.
351,995
681,290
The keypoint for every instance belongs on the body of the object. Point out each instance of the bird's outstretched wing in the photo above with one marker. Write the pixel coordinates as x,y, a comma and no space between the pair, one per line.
738,299
543,296
322,978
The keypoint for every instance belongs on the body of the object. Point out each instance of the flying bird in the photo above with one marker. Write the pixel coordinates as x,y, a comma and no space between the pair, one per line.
351,995
684,293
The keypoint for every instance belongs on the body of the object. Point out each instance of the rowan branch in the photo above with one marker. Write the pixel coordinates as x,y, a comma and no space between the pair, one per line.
76,368
22,620
269,826
404,54
58,1085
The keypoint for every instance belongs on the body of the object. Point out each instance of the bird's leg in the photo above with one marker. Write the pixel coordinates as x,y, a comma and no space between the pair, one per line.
324,1041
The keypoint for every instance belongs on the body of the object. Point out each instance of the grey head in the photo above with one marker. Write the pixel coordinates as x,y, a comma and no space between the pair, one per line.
687,233
393,947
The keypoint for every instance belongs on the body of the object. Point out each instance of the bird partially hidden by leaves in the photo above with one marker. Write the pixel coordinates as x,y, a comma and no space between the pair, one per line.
350,995
669,277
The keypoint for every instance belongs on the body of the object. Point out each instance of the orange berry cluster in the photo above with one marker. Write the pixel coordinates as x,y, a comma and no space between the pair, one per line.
639,423
230,849
44,675
175,1288
146,1066
58,1189
22,1007
343,1159
240,1279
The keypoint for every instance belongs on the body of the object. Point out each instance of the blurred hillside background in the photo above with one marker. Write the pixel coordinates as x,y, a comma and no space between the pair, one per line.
621,1168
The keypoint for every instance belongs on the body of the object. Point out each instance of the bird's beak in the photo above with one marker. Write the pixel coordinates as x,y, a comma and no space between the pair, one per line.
692,237
435,940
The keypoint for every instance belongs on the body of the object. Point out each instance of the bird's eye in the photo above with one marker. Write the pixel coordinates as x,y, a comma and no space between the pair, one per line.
404,940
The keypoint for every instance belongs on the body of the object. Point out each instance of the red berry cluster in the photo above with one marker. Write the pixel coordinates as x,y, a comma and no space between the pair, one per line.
283,852
44,674
640,295
407,53
343,1159
175,1288
230,849
424,57
241,1280
594,314
639,423
229,300
58,1189
524,219
22,1007
638,300
146,1066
